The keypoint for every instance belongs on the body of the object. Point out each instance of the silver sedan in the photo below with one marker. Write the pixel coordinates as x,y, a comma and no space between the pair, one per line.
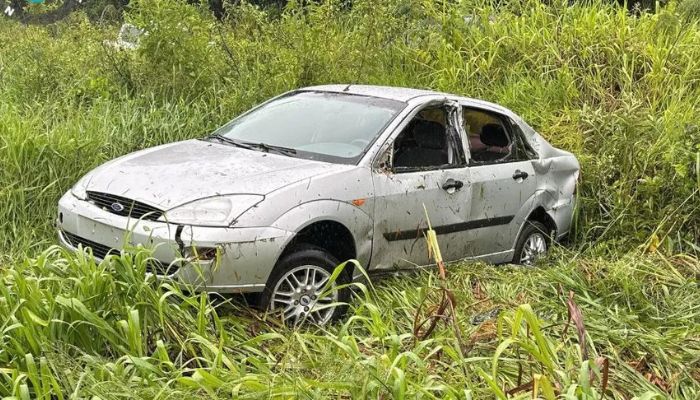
274,200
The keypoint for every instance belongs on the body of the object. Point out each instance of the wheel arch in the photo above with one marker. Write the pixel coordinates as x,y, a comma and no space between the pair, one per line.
541,215
327,234
342,229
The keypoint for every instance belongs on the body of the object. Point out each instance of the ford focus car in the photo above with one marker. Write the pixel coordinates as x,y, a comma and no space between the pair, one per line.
274,200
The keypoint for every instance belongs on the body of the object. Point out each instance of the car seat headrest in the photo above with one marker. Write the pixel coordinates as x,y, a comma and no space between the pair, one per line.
430,135
494,135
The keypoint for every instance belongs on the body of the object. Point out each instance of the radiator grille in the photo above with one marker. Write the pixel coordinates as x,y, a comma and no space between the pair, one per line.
101,251
98,250
125,207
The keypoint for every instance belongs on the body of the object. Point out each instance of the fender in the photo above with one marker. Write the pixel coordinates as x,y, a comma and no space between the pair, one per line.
542,198
538,199
354,218
556,184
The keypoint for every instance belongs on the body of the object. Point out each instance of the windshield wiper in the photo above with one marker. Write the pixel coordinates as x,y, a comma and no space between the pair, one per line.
278,149
253,146
227,140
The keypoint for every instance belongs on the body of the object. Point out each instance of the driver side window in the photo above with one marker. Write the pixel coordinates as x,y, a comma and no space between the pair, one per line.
426,142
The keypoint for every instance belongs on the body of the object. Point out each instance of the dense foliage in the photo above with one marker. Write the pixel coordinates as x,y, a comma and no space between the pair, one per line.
74,328
621,92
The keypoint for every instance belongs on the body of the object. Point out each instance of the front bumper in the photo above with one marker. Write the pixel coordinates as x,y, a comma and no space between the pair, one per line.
246,255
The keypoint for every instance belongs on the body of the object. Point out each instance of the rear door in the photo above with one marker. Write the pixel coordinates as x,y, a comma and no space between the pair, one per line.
502,178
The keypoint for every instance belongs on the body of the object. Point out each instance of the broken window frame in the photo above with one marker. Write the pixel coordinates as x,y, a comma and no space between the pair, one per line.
508,126
528,153
385,162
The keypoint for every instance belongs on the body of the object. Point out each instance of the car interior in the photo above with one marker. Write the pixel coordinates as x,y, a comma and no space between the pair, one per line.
496,144
424,142
489,140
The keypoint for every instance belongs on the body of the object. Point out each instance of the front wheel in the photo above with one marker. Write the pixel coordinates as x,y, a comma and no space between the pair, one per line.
532,244
299,288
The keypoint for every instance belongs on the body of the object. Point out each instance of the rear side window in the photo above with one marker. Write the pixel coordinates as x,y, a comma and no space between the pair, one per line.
522,149
489,137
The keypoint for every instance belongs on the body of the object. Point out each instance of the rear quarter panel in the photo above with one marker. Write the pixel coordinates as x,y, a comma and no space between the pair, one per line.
557,176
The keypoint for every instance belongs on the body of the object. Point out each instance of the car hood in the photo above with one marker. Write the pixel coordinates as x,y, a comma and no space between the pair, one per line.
174,174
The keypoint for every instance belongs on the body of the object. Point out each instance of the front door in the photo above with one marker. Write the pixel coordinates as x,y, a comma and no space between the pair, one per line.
424,177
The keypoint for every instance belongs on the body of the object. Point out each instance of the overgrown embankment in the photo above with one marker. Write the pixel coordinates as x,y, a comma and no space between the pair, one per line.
621,92
73,327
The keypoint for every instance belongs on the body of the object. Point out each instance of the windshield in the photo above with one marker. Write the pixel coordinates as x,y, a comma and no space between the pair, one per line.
333,127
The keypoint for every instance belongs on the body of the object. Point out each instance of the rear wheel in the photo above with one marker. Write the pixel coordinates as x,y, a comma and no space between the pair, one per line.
299,288
532,244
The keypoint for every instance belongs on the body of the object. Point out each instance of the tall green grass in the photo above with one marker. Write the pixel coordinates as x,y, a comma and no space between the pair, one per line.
76,329
621,92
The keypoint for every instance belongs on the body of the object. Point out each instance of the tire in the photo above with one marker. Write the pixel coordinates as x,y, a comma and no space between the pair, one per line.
290,292
540,239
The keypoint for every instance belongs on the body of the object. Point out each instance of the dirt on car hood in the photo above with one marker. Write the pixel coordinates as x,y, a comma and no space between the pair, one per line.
174,174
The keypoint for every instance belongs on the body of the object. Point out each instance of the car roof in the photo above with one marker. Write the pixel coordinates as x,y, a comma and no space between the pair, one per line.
402,94
386,92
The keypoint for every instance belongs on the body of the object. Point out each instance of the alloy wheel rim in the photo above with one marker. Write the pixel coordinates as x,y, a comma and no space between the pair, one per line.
534,246
300,295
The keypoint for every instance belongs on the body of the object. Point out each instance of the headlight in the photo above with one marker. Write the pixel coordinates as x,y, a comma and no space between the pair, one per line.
214,211
79,190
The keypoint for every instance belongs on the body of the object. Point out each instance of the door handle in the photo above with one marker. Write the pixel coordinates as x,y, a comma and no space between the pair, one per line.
452,184
520,175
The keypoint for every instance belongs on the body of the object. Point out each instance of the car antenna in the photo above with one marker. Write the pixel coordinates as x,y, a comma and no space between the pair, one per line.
347,87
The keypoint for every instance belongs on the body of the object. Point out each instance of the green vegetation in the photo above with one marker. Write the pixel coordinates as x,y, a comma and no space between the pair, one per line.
82,329
621,92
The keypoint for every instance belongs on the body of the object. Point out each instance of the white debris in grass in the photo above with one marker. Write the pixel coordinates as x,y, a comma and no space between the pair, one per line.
128,38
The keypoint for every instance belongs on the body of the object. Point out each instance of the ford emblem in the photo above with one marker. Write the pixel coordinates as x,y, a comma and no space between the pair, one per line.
117,207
